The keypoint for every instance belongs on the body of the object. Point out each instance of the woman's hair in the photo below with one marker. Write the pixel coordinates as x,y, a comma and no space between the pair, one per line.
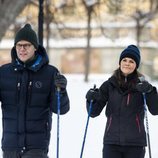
133,77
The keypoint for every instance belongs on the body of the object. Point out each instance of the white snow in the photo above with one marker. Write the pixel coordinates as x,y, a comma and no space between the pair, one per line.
72,125
96,42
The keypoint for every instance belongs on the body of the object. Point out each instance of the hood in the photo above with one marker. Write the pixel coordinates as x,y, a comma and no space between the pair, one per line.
41,59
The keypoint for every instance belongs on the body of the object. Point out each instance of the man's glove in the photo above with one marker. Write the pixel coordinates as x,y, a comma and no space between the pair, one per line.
144,87
92,94
60,81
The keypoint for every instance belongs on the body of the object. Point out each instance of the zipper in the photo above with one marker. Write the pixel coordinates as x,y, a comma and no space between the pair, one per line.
138,123
125,79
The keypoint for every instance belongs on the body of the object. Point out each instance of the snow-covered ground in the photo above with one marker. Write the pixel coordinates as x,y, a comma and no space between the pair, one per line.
72,125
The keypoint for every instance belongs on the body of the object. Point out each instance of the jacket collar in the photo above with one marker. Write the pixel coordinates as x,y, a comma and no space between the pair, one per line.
127,82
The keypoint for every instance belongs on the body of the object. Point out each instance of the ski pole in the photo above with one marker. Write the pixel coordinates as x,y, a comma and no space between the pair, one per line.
146,118
147,125
58,119
85,133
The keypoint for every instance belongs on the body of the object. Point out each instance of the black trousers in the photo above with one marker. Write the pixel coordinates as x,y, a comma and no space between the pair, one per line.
117,151
34,153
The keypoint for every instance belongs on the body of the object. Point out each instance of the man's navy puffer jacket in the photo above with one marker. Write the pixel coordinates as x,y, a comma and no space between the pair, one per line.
28,98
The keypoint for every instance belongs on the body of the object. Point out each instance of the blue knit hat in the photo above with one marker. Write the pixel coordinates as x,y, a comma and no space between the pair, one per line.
28,34
133,52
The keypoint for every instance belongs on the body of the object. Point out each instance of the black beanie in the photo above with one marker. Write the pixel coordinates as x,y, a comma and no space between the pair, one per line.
28,34
133,52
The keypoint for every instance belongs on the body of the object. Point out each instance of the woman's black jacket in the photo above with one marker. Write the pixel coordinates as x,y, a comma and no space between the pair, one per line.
125,113
28,98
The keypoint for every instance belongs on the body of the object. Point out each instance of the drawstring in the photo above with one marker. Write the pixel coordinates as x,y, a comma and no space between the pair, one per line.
125,79
18,87
29,88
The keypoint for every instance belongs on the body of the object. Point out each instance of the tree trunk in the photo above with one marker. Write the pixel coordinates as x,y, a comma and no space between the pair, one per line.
88,50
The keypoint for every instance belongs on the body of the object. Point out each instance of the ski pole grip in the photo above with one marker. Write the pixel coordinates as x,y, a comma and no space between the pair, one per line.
94,87
58,89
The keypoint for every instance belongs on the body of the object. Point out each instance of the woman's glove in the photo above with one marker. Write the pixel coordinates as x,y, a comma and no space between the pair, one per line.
144,87
92,94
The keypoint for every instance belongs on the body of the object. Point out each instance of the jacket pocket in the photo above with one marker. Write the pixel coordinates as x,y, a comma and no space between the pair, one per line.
138,123
109,121
128,98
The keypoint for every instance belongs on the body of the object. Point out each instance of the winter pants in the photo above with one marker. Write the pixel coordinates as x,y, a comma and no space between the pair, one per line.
34,153
117,151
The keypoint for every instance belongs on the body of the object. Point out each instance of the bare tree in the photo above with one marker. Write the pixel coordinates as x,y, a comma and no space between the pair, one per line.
9,12
89,6
143,17
114,6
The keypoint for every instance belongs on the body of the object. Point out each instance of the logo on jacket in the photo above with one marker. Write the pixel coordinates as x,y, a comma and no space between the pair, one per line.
38,84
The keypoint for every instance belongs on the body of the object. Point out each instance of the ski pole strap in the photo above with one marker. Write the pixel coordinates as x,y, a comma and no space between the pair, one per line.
85,134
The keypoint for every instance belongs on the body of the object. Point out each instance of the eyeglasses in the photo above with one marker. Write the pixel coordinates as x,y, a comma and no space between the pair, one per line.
25,46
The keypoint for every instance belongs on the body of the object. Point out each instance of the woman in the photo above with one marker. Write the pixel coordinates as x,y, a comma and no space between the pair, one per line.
125,135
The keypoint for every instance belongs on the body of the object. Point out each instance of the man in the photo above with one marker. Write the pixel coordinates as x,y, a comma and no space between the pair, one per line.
28,98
